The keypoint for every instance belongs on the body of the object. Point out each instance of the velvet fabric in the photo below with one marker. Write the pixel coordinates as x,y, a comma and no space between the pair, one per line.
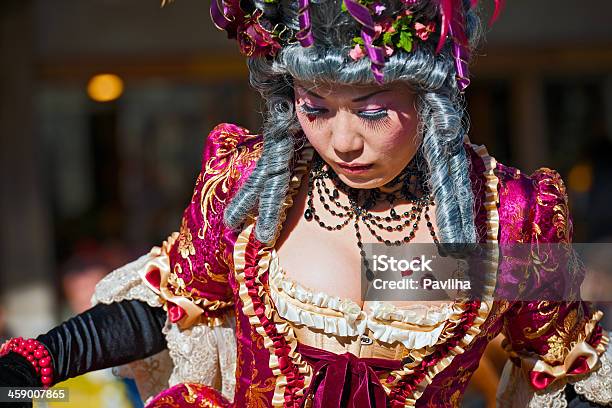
345,381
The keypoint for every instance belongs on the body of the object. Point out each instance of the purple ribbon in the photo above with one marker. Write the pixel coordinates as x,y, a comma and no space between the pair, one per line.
218,16
304,36
453,24
461,52
376,54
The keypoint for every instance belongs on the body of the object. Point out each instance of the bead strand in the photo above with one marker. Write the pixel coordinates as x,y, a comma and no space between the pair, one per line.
37,355
360,212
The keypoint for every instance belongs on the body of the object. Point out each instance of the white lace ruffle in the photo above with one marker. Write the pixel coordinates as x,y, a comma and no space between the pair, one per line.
420,315
204,355
151,374
597,387
126,284
411,339
343,317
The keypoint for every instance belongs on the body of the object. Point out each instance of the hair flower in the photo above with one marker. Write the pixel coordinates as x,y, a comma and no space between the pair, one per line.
424,30
357,52
383,29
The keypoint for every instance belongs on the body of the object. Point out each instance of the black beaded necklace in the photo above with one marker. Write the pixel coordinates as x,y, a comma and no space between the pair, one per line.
408,185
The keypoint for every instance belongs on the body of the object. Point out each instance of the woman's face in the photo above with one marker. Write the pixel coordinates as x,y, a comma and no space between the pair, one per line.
366,134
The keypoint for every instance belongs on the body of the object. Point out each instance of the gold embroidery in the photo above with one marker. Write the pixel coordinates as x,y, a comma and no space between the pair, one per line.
185,241
256,393
553,181
217,277
455,399
533,333
191,396
561,342
166,400
222,170
178,284
556,349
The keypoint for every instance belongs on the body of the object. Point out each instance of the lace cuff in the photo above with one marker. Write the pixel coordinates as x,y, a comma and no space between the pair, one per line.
125,283
516,389
198,354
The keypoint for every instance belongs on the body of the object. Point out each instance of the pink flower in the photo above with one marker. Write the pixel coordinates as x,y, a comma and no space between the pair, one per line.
423,31
357,53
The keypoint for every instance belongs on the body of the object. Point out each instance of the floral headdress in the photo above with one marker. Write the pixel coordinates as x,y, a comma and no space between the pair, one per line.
380,36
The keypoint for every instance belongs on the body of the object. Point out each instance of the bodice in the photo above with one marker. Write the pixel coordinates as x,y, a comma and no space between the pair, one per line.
382,330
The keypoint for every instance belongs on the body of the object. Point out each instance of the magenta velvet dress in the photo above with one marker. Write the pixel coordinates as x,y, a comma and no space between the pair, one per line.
282,354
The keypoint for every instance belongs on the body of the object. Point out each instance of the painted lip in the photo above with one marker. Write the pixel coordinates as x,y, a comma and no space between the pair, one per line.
355,168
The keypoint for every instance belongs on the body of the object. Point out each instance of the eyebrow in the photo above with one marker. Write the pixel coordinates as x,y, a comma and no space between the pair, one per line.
359,99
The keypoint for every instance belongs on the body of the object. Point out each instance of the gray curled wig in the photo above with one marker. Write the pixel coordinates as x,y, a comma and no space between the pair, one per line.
440,106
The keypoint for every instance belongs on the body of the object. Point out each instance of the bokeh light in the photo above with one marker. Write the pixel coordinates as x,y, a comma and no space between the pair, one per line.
580,177
105,87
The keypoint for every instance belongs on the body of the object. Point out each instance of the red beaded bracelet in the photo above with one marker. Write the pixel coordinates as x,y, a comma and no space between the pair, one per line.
36,353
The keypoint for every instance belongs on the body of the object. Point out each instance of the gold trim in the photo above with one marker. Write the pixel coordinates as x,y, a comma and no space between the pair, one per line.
282,326
533,362
490,204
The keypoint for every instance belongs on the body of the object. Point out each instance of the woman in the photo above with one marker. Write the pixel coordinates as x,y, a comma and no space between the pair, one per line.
364,142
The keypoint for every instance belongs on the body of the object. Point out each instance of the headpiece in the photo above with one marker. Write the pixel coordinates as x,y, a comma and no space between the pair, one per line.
381,33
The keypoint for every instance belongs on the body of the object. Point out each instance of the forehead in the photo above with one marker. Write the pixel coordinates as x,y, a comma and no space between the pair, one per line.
348,91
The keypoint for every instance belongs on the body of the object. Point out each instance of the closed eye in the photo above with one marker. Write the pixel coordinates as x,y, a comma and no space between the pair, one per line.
373,114
311,110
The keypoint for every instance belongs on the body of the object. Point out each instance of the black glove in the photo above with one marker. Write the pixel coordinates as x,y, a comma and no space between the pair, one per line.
101,337
16,371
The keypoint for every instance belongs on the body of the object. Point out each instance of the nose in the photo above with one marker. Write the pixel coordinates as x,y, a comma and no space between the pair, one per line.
346,139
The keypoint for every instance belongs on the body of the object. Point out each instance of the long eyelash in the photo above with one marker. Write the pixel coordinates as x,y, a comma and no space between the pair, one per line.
307,110
373,116
376,121
312,114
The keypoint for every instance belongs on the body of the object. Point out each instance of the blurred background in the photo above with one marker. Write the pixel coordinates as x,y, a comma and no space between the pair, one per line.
105,104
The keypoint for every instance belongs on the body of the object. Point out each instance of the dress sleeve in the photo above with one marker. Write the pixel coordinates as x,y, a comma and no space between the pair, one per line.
188,275
553,338
192,278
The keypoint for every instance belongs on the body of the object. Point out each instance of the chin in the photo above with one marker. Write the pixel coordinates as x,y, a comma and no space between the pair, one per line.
363,182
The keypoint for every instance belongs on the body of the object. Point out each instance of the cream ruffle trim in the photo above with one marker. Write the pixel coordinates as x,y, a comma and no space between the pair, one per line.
343,317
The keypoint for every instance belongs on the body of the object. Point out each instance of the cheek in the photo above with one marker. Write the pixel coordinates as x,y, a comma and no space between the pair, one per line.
312,130
397,139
